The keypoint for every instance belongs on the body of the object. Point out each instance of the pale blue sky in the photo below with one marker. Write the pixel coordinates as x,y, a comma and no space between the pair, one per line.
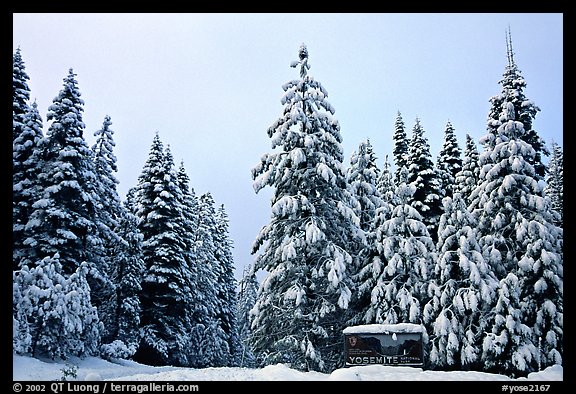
210,84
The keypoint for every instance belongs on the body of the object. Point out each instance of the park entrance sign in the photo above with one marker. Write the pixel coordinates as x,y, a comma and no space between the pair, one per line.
386,344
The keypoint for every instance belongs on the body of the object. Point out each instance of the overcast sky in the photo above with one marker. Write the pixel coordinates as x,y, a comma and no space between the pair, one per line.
210,84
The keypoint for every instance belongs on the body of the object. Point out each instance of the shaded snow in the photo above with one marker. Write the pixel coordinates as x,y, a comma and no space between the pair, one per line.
92,368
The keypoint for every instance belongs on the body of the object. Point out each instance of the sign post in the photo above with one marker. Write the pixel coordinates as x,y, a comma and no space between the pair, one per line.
385,344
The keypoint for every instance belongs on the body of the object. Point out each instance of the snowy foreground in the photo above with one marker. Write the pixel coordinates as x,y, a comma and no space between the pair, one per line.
31,369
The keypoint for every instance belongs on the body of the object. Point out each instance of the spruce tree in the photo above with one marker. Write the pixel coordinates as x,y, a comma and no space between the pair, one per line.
20,94
525,110
55,316
26,168
127,275
63,217
165,294
304,249
466,180
107,219
247,294
555,183
524,248
209,339
228,312
422,174
398,275
362,175
400,150
449,161
463,292
385,183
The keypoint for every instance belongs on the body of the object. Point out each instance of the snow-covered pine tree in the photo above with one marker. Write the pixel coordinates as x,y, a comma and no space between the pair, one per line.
247,294
107,219
555,182
385,183
26,167
422,174
54,313
362,175
463,292
20,94
524,247
209,343
165,293
298,316
228,312
62,219
399,273
513,85
449,161
127,274
400,150
466,180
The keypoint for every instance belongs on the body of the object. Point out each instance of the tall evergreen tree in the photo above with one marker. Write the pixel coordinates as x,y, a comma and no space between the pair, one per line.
165,295
422,174
228,311
399,273
466,180
127,275
26,168
209,337
362,175
400,151
54,311
63,217
247,295
20,94
524,247
555,182
525,110
385,183
463,292
449,161
107,219
304,249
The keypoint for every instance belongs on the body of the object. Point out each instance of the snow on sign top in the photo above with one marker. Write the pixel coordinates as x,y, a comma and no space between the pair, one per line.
384,328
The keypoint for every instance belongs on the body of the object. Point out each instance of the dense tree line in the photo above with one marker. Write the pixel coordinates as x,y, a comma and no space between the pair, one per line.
148,277
469,245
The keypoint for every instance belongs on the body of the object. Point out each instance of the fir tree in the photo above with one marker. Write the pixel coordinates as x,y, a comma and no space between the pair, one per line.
523,245
165,295
107,219
555,183
228,312
20,94
63,216
400,151
525,110
399,273
209,339
422,174
247,294
466,180
449,161
385,183
54,311
127,275
304,249
26,168
463,292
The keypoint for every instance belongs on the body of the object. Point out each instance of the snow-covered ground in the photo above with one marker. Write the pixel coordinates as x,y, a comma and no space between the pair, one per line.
91,368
